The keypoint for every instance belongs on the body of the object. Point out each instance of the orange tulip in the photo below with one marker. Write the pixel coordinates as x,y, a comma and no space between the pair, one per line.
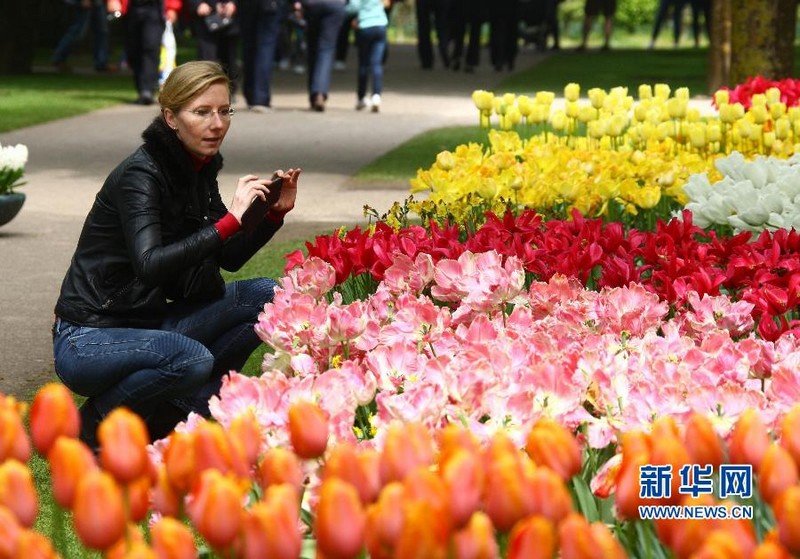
130,546
575,536
719,545
476,540
308,429
551,444
33,545
53,414
464,479
18,492
98,510
406,447
166,500
69,461
385,521
684,537
245,435
669,450
508,497
607,545
179,461
172,539
216,508
702,442
454,437
213,450
533,537
425,532
790,433
138,496
778,471
340,521
369,462
635,453
123,445
770,550
741,530
10,531
786,509
344,463
270,527
278,466
749,440
422,484
14,442
549,496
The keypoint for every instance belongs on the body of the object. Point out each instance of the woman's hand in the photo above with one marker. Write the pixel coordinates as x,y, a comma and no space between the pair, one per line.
248,188
286,202
203,9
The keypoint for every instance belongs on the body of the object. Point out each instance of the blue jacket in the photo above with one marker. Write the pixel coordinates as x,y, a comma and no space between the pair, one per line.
370,13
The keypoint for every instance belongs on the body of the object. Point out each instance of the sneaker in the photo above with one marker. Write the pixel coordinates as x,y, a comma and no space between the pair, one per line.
376,103
339,65
362,104
283,64
260,109
299,69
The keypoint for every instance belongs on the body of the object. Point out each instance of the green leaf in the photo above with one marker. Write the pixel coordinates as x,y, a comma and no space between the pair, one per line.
587,504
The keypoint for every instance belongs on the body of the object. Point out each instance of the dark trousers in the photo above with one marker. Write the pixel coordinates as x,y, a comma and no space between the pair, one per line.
220,47
324,21
371,42
440,11
260,32
144,28
504,34
468,20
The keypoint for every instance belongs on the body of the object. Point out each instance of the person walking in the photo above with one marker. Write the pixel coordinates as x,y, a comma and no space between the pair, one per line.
664,8
440,11
144,27
219,43
504,34
86,14
260,23
371,21
144,319
324,19
592,9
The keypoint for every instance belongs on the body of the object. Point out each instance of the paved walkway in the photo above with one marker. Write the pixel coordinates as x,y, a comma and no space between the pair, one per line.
70,158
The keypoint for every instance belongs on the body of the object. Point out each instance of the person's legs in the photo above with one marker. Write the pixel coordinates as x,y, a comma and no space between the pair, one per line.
330,16
260,31
226,327
376,52
424,45
442,18
99,24
152,31
136,368
362,48
75,31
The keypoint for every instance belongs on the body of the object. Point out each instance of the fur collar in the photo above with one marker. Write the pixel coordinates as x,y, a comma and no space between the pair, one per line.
167,150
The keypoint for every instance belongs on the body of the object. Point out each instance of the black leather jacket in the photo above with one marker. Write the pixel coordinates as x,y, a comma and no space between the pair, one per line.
150,234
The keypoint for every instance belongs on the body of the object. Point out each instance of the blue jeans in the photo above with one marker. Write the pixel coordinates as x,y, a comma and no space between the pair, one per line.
371,42
324,20
94,17
163,374
260,32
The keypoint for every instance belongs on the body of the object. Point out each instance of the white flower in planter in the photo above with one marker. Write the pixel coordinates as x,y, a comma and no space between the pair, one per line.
752,195
12,167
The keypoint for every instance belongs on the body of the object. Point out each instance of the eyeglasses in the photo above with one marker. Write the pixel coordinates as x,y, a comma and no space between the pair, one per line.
206,114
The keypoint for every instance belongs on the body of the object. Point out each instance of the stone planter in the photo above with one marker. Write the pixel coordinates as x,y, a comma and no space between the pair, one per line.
10,204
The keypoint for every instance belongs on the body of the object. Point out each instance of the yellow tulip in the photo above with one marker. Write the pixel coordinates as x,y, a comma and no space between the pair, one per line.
483,100
698,136
759,113
573,109
662,91
545,97
782,128
587,114
714,131
597,97
676,107
558,120
722,97
539,113
758,100
525,105
645,92
445,160
572,92
682,93
769,139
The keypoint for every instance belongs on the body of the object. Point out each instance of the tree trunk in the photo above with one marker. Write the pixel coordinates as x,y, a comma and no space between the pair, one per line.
762,39
719,50
18,35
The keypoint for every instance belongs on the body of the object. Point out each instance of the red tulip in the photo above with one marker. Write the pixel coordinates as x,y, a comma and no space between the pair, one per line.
18,492
749,440
308,429
476,540
216,508
340,521
551,444
533,537
98,510
53,414
69,460
123,445
172,539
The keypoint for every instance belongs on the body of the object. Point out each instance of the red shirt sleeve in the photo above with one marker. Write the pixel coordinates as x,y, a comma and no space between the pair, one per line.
227,226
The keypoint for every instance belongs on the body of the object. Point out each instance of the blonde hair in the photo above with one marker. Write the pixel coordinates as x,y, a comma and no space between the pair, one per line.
189,80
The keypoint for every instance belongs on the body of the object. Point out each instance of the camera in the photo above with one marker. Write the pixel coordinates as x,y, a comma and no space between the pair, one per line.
114,15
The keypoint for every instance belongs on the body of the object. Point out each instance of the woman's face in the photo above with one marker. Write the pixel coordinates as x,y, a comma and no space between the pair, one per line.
202,124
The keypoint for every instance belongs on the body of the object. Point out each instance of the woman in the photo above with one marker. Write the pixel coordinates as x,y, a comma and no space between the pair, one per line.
371,41
144,318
